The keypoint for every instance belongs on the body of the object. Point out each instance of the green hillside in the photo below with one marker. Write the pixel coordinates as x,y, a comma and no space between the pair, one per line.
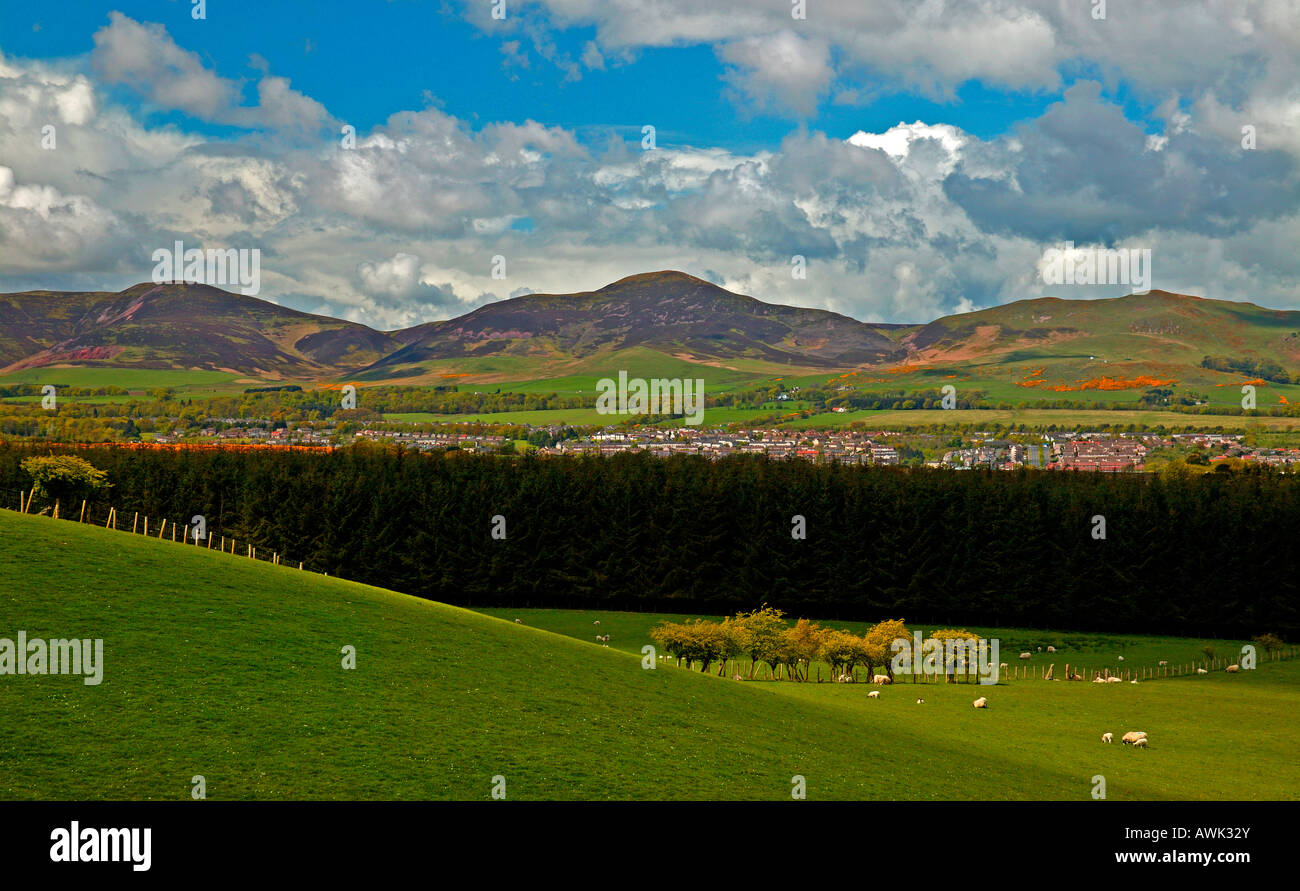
230,669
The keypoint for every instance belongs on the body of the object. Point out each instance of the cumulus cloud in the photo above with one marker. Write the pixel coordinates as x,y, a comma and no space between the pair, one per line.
900,223
1244,54
145,58
781,70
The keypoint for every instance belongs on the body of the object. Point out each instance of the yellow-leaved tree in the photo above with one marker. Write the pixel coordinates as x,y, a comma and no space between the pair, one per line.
880,640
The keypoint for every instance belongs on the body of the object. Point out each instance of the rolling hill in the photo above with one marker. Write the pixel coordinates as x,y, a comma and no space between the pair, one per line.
671,312
669,324
229,668
179,326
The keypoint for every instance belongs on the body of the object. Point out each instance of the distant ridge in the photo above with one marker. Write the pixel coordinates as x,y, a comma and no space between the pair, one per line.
681,317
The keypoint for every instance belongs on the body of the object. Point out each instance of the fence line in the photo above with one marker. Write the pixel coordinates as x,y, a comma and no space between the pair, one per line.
110,522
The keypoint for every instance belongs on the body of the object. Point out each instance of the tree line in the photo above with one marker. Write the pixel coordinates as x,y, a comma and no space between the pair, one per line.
1179,554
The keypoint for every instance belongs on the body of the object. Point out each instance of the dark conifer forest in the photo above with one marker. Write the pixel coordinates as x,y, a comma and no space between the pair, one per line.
1210,555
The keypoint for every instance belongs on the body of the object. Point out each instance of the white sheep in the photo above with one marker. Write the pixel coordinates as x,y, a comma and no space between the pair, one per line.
1164,662
874,694
1002,666
1133,736
737,677
597,622
982,702
519,621
1233,669
1114,680
1121,658
1051,649
1201,671
881,679
1099,680
1134,681
1026,655
1140,743
1107,737
920,702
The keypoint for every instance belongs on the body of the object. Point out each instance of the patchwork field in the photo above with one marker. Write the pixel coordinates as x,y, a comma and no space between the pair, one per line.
231,669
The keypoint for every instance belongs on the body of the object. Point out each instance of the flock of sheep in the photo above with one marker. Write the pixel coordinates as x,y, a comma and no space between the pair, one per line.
1135,738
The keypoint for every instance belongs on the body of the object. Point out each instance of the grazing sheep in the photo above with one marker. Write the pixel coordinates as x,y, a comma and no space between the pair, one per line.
597,622
1040,649
881,679
1233,669
1026,655
736,677
1121,658
874,694
982,702
519,621
1002,666
1164,662
1140,743
1201,671
1107,737
1134,681
920,702
1133,736
1051,649
1114,680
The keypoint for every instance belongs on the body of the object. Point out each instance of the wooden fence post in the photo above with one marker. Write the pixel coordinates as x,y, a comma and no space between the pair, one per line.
82,518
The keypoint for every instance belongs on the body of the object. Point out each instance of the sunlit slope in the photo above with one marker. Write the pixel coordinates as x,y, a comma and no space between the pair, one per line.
229,669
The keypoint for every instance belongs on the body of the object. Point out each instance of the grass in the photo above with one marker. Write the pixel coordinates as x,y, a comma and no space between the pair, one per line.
1035,418
230,669
135,379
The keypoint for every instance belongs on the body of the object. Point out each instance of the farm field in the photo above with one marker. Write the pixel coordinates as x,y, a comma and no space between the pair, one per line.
1035,418
231,669
1085,650
141,380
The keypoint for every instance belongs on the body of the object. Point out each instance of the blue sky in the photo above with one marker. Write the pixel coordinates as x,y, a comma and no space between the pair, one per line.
922,157
365,67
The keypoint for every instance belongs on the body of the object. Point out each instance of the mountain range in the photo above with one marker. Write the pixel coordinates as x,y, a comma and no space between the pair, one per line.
671,314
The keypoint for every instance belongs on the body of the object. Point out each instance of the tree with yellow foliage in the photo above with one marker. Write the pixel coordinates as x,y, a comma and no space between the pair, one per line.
880,641
956,634
761,634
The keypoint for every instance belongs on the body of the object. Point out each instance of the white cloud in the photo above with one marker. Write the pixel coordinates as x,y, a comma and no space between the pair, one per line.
145,58
901,225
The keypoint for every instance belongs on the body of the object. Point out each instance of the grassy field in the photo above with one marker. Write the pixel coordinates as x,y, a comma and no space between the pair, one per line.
1035,418
231,669
1085,650
135,379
